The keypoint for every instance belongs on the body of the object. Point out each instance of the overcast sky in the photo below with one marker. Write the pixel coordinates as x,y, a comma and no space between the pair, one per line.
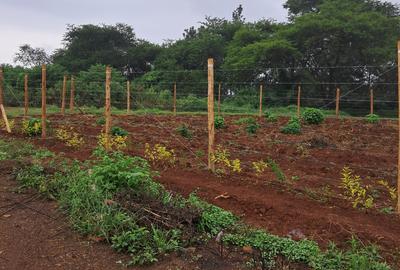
42,23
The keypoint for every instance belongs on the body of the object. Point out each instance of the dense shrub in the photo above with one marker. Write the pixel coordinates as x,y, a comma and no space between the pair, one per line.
118,131
270,117
219,122
292,127
313,116
372,118
32,127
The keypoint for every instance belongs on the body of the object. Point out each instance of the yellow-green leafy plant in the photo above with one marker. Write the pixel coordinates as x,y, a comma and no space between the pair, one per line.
221,158
32,127
391,190
69,136
354,190
259,167
116,142
11,123
159,155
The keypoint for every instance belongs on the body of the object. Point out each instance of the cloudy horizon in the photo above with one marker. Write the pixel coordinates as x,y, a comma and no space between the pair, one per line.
42,23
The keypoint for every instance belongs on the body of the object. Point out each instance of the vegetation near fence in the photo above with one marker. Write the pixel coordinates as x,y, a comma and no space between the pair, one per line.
325,45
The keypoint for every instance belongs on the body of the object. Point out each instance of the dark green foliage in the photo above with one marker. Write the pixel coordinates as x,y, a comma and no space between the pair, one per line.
251,128
372,118
118,131
184,131
270,117
313,116
219,122
292,127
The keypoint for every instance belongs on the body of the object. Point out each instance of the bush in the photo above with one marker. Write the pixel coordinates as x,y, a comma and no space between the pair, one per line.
270,117
184,131
32,127
219,122
252,128
292,127
117,131
372,118
313,116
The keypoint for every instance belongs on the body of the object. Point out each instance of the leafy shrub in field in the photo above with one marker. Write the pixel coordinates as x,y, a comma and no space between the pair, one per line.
292,127
115,142
219,122
372,118
32,127
69,136
270,117
259,167
355,191
313,116
118,131
222,160
251,128
160,155
184,131
192,103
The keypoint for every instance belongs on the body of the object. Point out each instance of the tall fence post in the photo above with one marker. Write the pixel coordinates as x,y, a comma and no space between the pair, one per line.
398,159
298,100
108,107
128,97
2,110
63,93
371,96
219,98
26,96
174,100
261,100
43,101
337,102
211,131
1,87
72,95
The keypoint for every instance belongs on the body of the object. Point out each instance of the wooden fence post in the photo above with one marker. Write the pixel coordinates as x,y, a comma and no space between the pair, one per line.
72,95
128,97
63,93
1,86
43,101
108,107
337,101
5,119
26,96
371,96
219,98
211,128
174,101
298,100
261,100
398,159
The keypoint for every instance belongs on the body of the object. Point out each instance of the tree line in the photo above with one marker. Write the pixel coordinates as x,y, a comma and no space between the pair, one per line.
325,44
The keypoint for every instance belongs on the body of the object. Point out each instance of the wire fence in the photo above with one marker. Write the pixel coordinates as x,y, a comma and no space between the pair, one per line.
233,96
